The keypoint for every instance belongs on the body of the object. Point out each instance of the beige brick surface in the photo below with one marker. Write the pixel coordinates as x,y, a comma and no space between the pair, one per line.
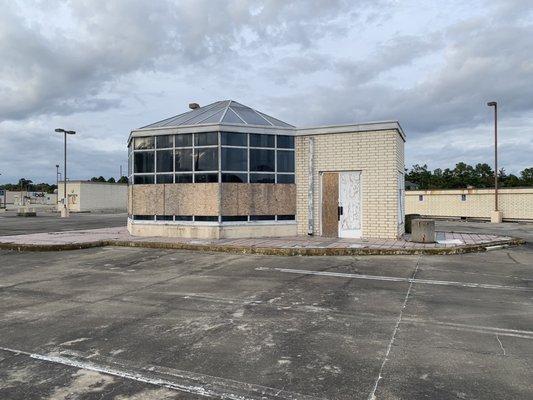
514,203
379,155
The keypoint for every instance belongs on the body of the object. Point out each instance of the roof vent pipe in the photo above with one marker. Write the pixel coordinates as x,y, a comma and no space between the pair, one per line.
194,106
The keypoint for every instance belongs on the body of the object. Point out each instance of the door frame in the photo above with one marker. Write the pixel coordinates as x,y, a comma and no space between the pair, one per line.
361,179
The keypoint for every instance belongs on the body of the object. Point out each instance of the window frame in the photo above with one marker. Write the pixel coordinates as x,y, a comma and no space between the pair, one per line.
193,147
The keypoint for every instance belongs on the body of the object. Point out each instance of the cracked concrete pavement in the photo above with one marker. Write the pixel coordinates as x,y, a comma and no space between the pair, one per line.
132,323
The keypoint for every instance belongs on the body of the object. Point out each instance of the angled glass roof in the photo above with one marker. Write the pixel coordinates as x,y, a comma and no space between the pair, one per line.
221,112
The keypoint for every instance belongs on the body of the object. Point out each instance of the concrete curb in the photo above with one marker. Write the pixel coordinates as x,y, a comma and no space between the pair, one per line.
52,247
278,251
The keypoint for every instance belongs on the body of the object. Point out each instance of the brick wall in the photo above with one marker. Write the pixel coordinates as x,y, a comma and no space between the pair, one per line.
377,154
478,203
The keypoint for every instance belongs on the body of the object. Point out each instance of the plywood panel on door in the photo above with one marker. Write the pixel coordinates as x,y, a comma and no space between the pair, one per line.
330,204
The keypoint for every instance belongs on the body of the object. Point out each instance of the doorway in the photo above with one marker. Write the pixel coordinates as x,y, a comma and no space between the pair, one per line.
341,204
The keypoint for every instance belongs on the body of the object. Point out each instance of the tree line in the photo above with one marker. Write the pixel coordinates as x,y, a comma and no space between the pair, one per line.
464,175
24,184
123,179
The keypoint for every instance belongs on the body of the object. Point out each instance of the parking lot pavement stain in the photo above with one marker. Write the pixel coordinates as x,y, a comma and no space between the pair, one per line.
232,319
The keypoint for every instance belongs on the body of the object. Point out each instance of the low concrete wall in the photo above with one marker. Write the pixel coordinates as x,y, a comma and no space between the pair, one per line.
516,204
277,229
198,231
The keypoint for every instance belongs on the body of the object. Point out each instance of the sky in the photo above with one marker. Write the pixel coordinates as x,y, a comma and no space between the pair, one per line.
104,68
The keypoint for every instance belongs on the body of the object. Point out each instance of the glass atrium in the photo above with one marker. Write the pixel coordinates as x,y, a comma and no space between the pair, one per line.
216,156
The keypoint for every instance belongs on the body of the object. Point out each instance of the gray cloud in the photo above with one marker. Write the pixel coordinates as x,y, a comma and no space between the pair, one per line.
104,68
69,71
481,62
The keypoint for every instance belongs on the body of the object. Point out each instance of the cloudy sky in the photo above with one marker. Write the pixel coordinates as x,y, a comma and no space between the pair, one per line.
103,68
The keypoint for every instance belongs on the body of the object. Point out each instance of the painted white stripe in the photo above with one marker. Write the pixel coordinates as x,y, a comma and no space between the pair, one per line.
397,279
489,330
372,395
183,381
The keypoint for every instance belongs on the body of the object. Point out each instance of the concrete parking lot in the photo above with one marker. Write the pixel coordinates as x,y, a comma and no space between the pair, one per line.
131,323
10,224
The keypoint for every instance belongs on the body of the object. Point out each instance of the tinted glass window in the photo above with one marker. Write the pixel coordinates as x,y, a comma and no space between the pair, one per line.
205,178
183,178
236,178
206,218
229,218
206,139
261,160
261,140
285,178
164,161
184,140
262,217
143,217
143,179
234,159
261,178
286,218
183,217
164,141
206,159
144,161
234,139
166,178
144,143
164,217
286,142
183,160
285,161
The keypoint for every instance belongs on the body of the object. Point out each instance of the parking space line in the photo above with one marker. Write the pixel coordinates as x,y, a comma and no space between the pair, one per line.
372,395
489,330
179,380
397,279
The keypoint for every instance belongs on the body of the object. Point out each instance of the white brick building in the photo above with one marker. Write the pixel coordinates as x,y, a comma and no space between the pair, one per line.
227,170
371,159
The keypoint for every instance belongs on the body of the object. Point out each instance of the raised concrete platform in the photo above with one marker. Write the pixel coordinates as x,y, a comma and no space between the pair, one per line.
447,243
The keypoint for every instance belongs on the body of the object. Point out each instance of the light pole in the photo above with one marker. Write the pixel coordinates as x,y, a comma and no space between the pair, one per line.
496,215
57,184
64,210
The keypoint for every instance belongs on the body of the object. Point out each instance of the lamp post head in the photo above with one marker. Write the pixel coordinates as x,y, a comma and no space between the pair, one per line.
57,165
59,130
492,104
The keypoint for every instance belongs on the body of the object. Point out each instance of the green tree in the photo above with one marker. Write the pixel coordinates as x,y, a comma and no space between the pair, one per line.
420,175
24,183
485,175
111,180
123,179
464,175
526,177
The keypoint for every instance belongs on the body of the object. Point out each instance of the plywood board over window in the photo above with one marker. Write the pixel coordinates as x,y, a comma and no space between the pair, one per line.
330,204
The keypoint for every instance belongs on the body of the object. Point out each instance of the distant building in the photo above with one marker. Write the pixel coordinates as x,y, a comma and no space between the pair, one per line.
87,196
23,197
516,204
226,170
